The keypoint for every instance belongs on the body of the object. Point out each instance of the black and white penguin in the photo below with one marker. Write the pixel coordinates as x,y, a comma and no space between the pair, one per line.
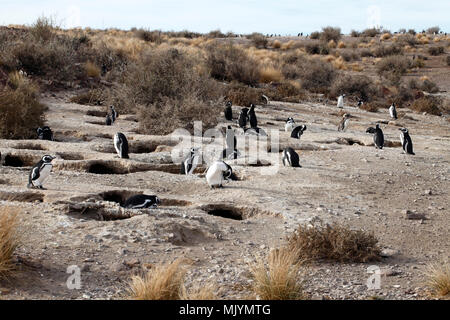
141,201
360,103
255,131
40,172
378,137
243,118
406,141
121,145
114,114
290,123
252,116
230,138
265,98
298,131
230,154
190,162
228,111
291,158
217,173
45,133
340,102
108,120
344,122
393,111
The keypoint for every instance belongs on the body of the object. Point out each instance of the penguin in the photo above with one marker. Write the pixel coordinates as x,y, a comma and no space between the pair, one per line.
141,201
406,141
265,98
393,111
290,123
39,172
340,103
298,131
217,173
291,158
190,162
114,114
252,116
344,122
243,117
230,154
255,131
360,103
121,145
228,111
45,133
378,137
230,139
108,120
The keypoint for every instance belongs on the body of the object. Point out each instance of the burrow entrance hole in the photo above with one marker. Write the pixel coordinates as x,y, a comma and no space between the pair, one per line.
118,196
29,146
224,211
18,161
70,156
133,146
96,113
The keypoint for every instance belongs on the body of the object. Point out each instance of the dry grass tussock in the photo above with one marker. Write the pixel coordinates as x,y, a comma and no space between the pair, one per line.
333,243
279,277
166,282
20,112
438,279
8,239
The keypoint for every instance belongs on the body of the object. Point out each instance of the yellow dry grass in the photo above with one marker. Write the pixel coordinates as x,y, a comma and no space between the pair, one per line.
385,36
9,239
339,63
341,45
201,292
332,44
276,44
438,279
270,74
92,70
279,277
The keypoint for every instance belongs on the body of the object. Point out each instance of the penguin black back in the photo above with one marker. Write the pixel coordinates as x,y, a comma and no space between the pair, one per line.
108,120
378,137
45,133
141,201
252,116
407,142
298,131
228,111
121,145
243,116
291,158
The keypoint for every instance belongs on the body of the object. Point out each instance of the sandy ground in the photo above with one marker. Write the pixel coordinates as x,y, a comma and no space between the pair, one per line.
343,179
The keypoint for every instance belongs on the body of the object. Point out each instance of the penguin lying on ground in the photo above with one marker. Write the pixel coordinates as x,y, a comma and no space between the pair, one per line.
291,158
39,172
45,133
121,145
141,201
406,141
190,162
298,131
217,173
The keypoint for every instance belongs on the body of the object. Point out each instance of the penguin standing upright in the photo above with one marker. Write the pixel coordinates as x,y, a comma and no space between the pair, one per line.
228,111
190,162
243,117
252,116
344,122
230,152
378,137
298,131
108,120
360,103
340,102
290,123
39,172
45,133
217,173
114,114
406,141
291,158
393,111
121,145
141,201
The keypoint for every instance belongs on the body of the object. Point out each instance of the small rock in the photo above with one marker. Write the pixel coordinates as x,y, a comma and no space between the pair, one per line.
414,216
386,253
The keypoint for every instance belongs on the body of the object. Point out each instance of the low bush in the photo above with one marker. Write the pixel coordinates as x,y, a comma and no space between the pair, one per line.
330,33
393,67
9,240
428,104
387,50
435,51
359,86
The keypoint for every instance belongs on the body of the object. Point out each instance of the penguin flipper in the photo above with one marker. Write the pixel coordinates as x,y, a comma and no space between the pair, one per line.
35,174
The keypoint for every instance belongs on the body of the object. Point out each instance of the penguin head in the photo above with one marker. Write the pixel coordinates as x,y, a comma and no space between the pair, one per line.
229,127
346,115
404,130
290,119
377,126
112,107
228,104
194,151
343,95
47,158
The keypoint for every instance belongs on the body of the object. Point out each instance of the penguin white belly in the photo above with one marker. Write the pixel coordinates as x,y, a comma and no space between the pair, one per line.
43,174
391,112
340,103
402,139
345,124
194,164
214,175
116,145
289,126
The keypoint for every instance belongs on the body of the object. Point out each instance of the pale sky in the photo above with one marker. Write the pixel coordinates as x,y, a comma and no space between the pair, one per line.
280,17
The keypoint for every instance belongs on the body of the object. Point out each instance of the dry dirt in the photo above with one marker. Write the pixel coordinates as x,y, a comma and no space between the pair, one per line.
343,179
